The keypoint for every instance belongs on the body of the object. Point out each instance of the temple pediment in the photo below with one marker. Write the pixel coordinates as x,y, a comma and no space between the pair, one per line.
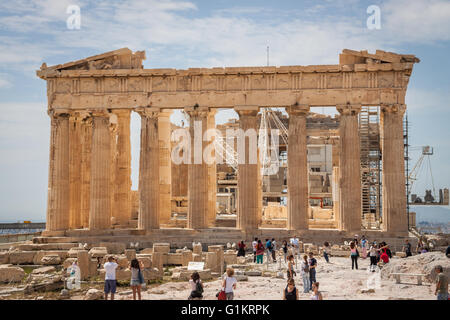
117,59
364,57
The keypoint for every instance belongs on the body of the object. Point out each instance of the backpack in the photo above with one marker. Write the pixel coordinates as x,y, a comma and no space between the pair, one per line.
198,287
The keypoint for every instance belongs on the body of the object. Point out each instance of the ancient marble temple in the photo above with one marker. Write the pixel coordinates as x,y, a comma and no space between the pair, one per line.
90,102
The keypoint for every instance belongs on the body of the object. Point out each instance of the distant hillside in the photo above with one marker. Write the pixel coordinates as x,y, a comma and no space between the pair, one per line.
431,213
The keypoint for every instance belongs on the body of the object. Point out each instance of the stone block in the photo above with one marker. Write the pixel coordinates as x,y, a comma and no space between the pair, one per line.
161,247
197,257
151,274
145,261
22,257
4,257
157,261
123,262
130,254
72,253
197,248
41,270
51,259
175,259
113,247
68,262
83,263
98,252
230,258
187,257
400,254
62,254
181,273
146,251
253,273
94,294
9,273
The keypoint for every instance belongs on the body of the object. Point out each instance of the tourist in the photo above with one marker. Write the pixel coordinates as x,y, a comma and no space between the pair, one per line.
268,250
137,278
290,292
295,245
364,245
312,269
259,252
419,246
290,269
110,277
196,287
274,250
407,248
326,251
373,256
241,251
229,283
354,254
384,257
254,245
355,239
441,284
284,246
304,267
316,294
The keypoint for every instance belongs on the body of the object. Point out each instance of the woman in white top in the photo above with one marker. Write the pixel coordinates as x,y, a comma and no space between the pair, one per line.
316,295
229,283
373,257
304,271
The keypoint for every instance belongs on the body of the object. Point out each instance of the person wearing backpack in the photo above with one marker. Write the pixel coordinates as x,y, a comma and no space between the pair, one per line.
196,287
304,271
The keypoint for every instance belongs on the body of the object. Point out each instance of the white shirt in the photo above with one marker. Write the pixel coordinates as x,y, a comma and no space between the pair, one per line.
110,268
229,282
254,244
294,241
274,244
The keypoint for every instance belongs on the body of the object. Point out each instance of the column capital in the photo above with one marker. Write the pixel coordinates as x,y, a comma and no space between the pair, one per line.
247,110
54,113
393,108
197,111
349,109
298,110
149,112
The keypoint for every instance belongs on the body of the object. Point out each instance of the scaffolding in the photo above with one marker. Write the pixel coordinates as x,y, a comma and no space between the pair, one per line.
370,160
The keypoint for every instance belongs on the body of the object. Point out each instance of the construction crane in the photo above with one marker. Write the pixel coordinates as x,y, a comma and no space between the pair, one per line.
423,164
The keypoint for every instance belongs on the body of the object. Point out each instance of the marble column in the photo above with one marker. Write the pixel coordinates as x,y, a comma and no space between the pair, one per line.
248,194
121,209
86,143
165,167
75,146
297,178
393,174
197,216
149,197
212,176
350,171
58,201
100,195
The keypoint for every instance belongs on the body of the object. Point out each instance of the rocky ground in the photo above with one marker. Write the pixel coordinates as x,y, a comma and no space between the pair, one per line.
337,281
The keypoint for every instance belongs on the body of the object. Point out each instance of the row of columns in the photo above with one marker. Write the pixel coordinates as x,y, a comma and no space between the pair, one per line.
89,173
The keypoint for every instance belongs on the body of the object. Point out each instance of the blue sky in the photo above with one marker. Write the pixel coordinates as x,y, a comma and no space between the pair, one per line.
183,34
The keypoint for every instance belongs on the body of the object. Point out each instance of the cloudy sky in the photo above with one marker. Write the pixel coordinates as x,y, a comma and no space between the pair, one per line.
183,34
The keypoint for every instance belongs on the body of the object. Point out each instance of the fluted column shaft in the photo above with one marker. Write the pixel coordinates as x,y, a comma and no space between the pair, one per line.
197,217
86,138
393,184
248,176
100,197
297,169
212,175
58,201
75,153
350,171
121,209
165,167
149,197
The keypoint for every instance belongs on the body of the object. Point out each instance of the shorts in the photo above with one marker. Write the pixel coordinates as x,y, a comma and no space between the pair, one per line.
135,282
110,286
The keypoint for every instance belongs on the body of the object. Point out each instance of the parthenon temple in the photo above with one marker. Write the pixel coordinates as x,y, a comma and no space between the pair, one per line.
339,175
